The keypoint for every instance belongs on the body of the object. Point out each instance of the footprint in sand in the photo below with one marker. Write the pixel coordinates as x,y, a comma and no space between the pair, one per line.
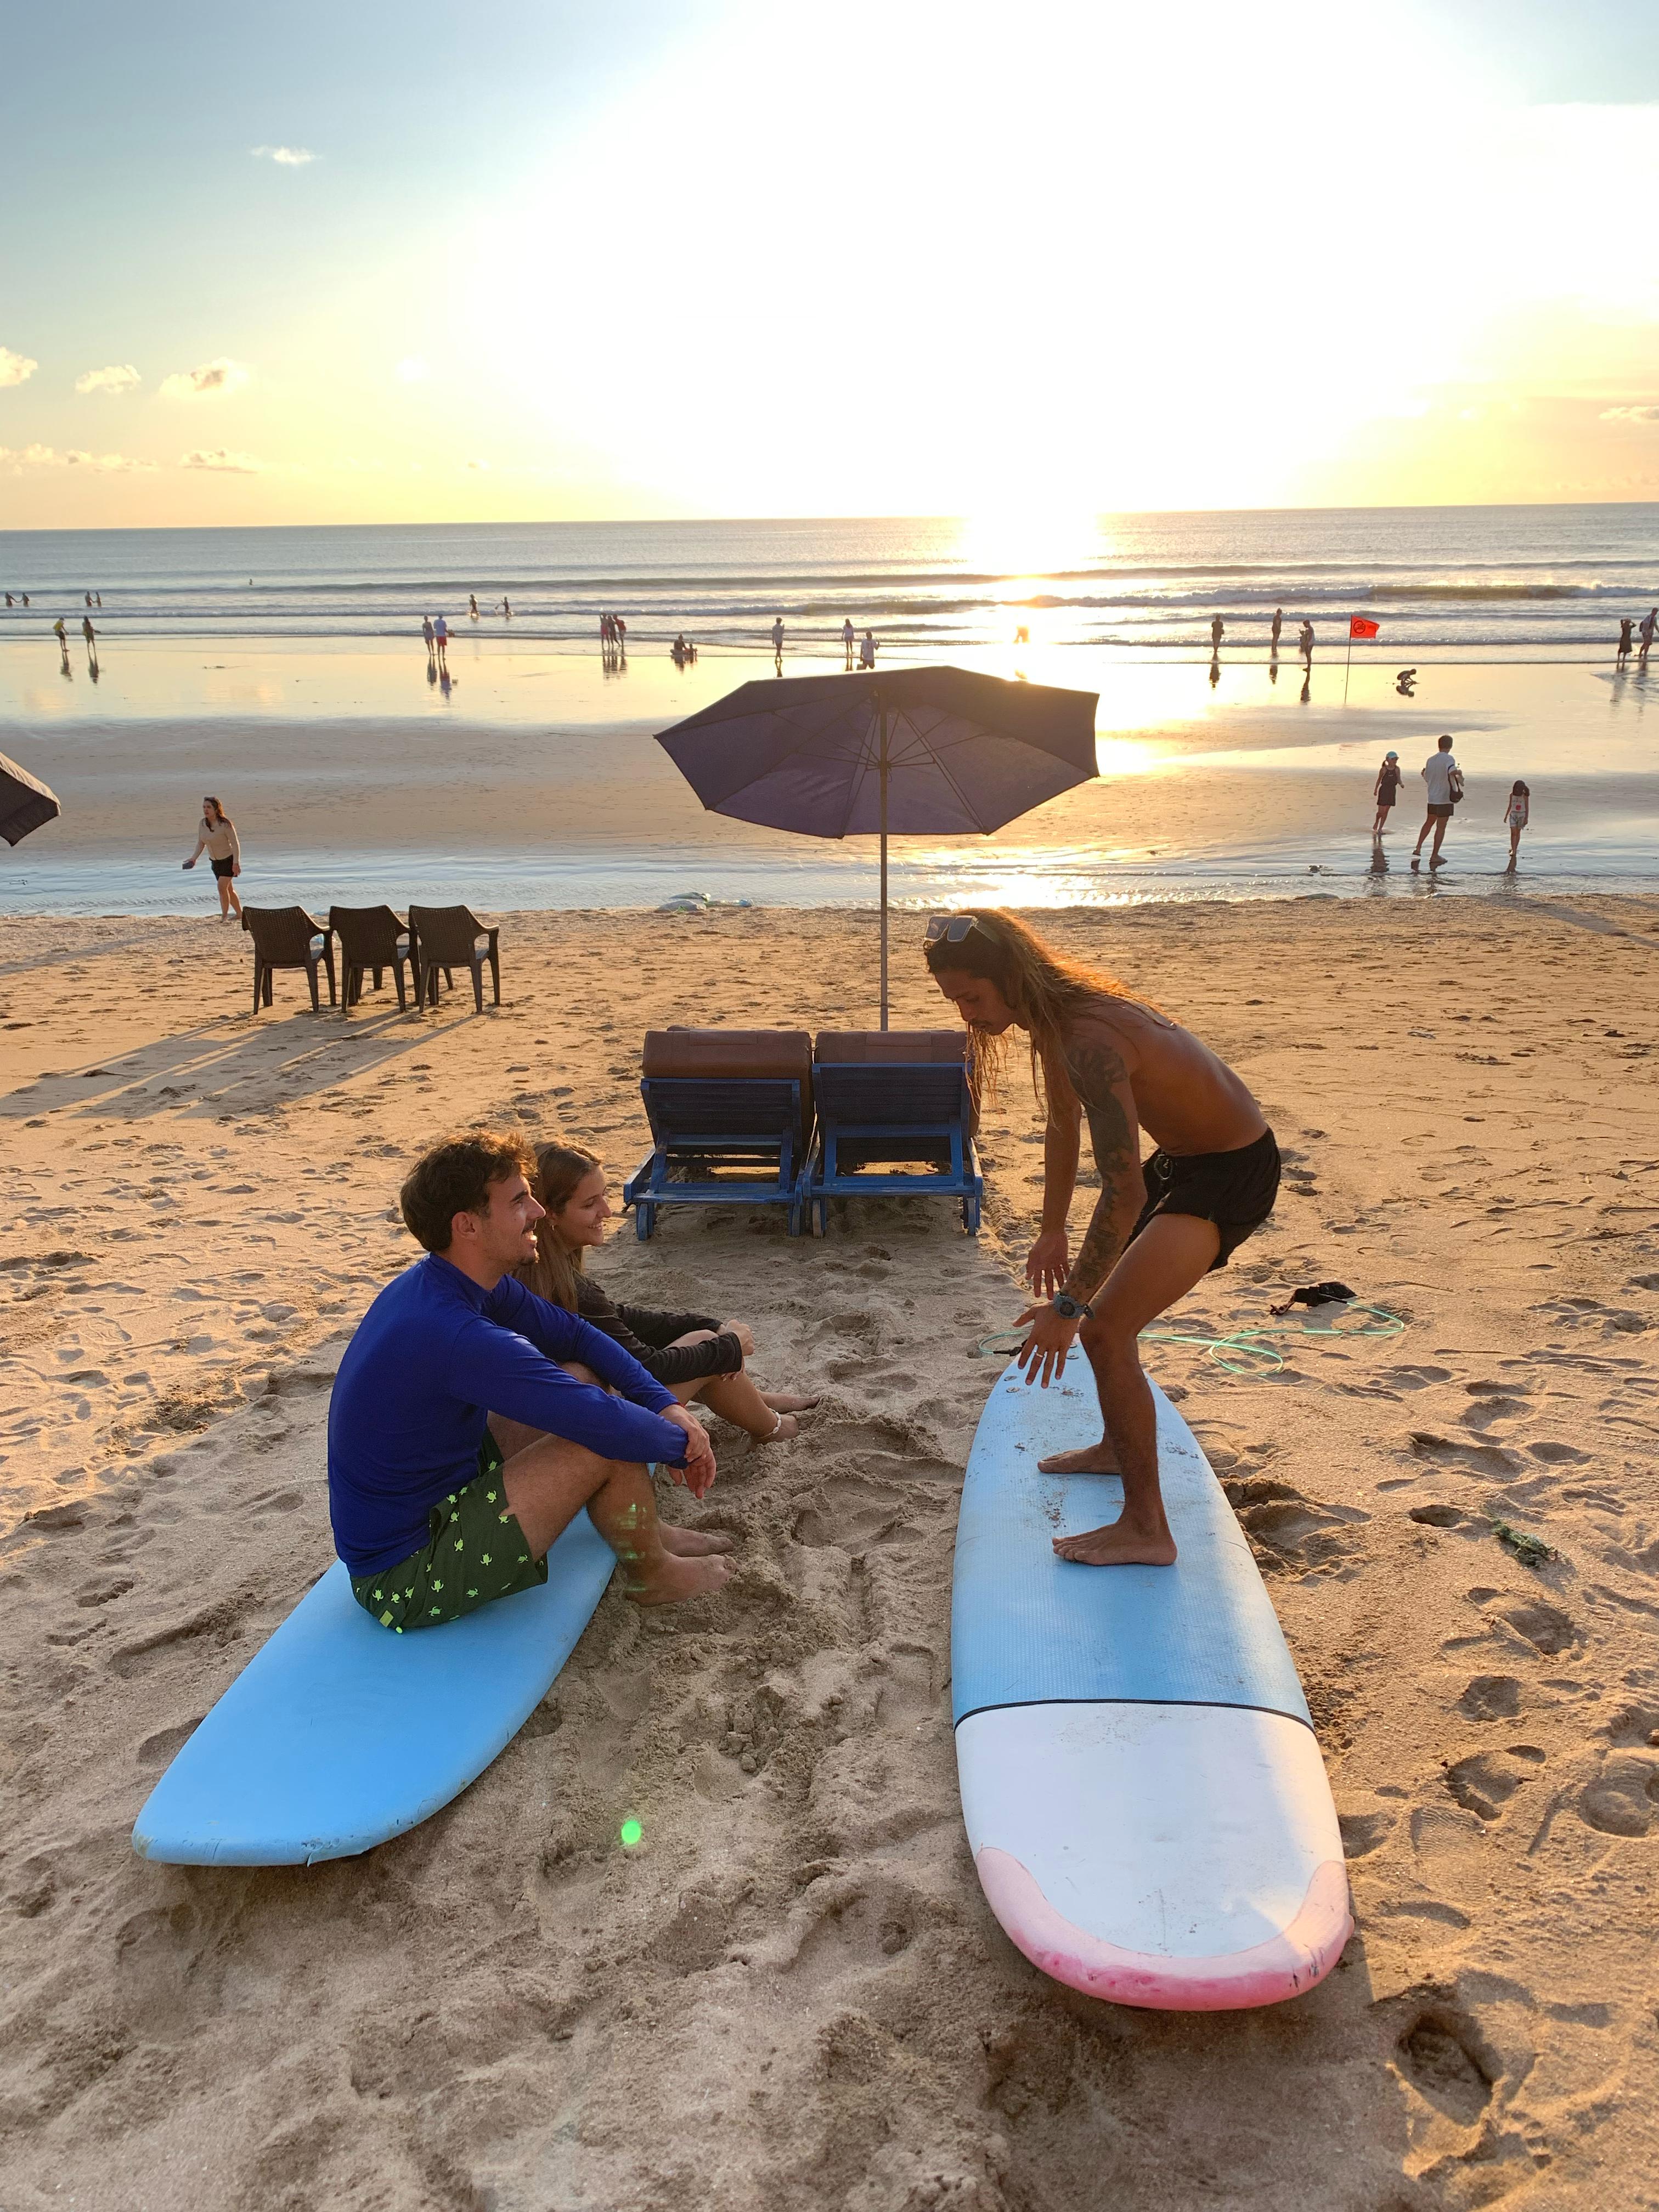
1483,1782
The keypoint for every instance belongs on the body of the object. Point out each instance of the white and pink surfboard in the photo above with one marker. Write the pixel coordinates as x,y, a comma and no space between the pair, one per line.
1144,1794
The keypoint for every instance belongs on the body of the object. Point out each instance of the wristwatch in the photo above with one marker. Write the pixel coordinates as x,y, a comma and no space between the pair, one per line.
1072,1308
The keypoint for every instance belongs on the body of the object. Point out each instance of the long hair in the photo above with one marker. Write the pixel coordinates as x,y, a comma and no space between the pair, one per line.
1046,990
209,800
552,1273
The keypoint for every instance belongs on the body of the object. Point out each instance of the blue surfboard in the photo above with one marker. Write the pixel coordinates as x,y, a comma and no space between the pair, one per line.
337,1735
1144,1795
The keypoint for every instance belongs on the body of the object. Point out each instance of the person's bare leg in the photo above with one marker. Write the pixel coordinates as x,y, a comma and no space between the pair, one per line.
513,1437
1428,825
548,1483
735,1399
1171,1255
1435,860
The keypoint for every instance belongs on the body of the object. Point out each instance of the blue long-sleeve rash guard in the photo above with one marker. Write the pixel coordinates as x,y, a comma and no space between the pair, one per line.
432,1358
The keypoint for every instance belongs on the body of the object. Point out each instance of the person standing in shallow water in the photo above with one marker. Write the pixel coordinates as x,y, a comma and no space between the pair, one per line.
1098,1053
1444,783
216,837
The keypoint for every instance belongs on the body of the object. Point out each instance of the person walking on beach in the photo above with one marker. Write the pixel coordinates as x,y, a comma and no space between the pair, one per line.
1218,631
1100,1054
777,642
429,634
216,837
440,638
432,1518
1305,644
1387,791
867,650
1444,780
847,635
1649,623
1279,624
621,629
1625,626
61,635
1517,811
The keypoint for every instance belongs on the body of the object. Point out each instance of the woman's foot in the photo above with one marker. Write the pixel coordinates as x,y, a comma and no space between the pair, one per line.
785,1402
693,1543
671,1580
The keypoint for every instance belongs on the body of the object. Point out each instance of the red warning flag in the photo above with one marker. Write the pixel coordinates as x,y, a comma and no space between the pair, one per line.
1359,627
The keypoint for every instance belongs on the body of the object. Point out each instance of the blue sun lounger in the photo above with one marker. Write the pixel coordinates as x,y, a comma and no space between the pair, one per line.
721,1101
884,1096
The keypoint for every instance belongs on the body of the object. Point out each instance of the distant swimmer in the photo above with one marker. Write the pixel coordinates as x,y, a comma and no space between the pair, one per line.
98,598
777,641
9,603
1279,624
440,638
1304,643
846,635
505,606
87,596
1218,631
867,649
472,604
1625,628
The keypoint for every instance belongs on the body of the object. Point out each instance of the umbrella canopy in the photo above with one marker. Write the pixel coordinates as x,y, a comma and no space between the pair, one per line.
935,751
25,803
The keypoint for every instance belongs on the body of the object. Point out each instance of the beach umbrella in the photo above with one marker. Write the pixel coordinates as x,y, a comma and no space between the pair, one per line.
25,803
930,752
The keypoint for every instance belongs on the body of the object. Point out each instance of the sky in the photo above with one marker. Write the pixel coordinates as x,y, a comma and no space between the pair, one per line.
378,262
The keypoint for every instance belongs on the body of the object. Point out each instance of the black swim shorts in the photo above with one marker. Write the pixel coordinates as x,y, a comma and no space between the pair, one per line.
224,867
1236,1190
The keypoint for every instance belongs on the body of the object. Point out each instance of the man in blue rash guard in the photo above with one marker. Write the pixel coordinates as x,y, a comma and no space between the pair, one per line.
430,1520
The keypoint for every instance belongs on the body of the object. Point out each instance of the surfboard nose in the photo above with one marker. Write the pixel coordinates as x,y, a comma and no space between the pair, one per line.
1176,1856
1284,1966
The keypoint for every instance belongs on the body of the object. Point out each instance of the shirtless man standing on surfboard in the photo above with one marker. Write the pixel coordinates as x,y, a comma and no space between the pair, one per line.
1100,1054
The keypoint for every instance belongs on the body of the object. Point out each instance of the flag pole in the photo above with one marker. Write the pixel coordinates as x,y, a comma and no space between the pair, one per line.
1348,663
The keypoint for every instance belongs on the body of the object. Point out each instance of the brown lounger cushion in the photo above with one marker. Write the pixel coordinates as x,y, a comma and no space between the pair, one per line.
891,1047
738,1053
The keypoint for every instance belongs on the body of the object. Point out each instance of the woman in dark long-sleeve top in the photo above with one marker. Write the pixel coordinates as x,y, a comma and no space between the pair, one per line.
691,1354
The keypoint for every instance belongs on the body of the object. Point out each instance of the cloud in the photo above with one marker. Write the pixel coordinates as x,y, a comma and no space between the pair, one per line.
1630,414
48,457
411,369
286,157
15,367
219,457
212,381
111,381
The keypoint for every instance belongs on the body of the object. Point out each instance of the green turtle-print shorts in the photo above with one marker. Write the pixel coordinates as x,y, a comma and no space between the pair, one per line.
477,1552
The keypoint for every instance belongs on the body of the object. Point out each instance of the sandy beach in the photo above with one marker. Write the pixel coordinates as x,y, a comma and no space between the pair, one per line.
791,1994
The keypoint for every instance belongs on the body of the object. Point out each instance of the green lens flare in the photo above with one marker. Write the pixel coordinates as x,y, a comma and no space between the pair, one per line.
631,1833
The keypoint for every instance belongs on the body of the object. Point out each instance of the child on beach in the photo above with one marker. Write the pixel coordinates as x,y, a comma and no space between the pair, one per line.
1387,791
689,1354
1515,813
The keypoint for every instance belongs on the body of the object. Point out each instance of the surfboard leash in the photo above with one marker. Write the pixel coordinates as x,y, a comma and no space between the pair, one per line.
1243,1352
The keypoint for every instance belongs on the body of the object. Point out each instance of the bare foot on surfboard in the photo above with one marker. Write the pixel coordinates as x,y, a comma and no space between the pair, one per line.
1115,1546
693,1543
674,1579
1095,1459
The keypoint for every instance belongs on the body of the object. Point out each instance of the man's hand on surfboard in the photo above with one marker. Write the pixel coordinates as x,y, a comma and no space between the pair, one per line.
1043,1353
1048,1262
698,1473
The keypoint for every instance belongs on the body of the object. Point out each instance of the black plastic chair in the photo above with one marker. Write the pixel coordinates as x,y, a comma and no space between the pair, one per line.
288,937
371,940
450,936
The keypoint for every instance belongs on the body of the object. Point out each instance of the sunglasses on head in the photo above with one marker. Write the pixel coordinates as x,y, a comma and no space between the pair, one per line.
951,928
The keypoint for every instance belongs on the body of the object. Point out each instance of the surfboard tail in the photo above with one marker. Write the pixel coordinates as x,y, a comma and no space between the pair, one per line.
1287,1965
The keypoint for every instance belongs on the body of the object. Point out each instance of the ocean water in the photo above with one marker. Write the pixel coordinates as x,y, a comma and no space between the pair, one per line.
1547,582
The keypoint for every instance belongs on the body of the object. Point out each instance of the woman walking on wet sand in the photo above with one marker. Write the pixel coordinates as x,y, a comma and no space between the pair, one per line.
216,837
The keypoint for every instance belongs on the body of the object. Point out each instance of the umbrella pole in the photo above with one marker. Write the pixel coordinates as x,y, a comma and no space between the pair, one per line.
884,866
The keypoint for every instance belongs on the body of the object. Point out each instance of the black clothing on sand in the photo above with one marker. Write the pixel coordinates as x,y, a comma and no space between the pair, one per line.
648,1337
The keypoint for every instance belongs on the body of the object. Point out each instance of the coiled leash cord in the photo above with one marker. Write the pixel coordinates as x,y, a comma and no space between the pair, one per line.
1243,1352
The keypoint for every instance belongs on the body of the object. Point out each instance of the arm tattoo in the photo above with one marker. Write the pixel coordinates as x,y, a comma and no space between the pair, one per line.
1096,1071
